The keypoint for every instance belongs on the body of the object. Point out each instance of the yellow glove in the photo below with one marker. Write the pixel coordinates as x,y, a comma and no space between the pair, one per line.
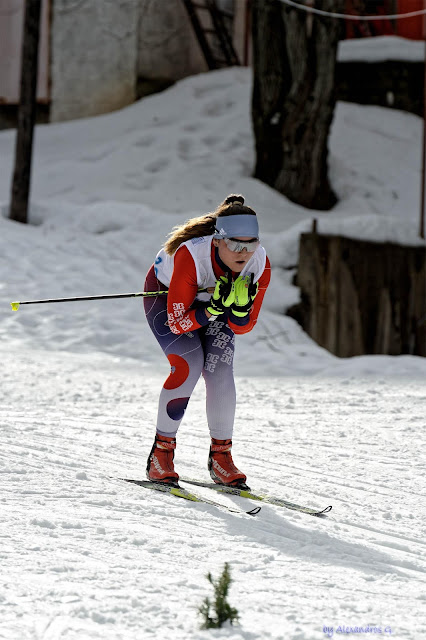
223,295
245,293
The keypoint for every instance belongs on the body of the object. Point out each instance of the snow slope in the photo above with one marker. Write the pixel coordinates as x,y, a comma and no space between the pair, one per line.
85,556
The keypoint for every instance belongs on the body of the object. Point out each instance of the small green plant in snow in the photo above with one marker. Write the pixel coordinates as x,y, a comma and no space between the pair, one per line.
216,613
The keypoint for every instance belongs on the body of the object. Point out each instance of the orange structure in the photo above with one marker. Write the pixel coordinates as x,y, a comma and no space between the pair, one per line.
412,28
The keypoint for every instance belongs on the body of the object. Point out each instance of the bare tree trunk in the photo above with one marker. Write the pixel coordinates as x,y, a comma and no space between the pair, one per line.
26,113
294,58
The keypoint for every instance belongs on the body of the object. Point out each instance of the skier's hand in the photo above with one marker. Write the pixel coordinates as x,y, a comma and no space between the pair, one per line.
223,295
245,293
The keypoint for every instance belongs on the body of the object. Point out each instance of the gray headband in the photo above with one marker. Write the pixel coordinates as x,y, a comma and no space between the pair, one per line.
237,226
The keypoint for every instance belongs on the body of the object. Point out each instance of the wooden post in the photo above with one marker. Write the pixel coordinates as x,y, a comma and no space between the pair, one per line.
422,197
26,113
422,186
247,34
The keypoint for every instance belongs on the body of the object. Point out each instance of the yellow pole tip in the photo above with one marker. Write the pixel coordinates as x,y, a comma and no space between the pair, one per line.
15,305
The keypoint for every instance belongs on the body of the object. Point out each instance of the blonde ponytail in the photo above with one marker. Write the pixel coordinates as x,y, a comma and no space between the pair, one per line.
192,228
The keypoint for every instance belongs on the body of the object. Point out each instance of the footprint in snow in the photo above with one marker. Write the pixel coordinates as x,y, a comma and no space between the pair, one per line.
157,165
144,141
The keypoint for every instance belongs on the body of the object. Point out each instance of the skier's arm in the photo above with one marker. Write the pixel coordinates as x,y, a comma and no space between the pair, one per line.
181,295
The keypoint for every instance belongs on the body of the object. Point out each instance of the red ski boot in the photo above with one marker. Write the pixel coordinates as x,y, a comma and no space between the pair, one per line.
221,466
160,461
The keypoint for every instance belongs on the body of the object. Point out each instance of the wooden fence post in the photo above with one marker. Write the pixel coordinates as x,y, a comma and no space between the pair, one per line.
26,113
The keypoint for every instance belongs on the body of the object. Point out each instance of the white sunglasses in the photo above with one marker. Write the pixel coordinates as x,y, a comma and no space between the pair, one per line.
239,245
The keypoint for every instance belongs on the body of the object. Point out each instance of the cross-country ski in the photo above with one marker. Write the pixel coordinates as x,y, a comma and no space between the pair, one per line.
251,495
181,492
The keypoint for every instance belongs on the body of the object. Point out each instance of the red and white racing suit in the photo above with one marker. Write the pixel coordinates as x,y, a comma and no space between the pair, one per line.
193,344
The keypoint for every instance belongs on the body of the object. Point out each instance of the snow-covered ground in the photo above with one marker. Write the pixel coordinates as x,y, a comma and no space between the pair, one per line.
380,48
85,556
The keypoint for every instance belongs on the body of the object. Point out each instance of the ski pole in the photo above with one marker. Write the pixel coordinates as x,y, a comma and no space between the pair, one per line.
142,294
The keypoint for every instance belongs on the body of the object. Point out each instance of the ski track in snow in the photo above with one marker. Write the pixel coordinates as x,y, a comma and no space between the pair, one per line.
84,555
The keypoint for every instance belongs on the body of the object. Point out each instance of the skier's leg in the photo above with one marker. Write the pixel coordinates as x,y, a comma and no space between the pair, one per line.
218,341
218,373
186,357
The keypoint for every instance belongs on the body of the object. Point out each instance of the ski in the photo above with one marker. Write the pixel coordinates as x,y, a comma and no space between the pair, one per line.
244,493
180,492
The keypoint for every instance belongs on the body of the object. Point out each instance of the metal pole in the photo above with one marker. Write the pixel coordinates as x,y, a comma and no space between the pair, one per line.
144,294
140,294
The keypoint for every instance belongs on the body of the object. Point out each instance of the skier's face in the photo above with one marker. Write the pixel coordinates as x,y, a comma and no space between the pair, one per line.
234,260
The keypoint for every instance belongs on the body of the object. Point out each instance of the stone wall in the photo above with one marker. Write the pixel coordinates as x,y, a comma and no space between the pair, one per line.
94,56
362,297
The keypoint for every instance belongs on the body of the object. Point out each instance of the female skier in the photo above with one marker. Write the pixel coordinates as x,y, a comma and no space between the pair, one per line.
221,252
